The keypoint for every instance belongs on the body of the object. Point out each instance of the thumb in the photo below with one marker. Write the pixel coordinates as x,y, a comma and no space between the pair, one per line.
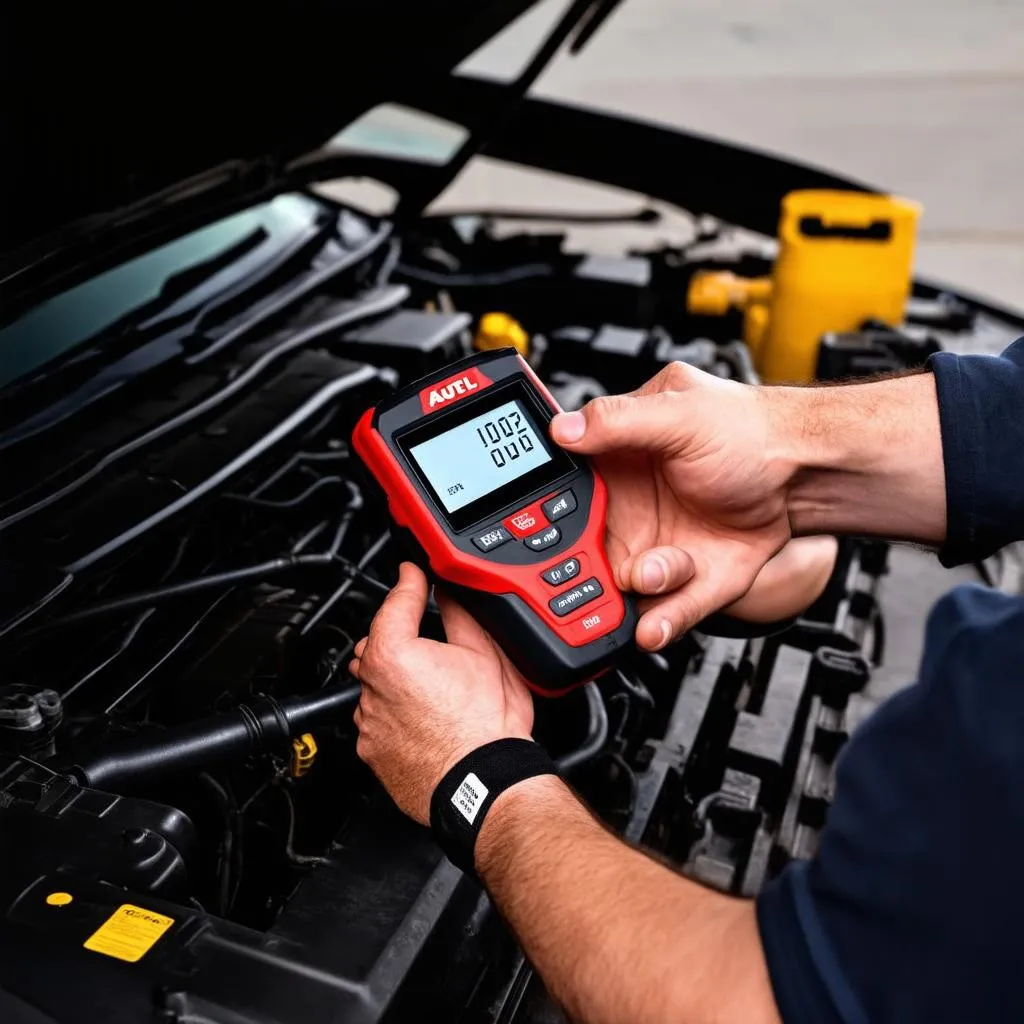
398,618
460,627
616,422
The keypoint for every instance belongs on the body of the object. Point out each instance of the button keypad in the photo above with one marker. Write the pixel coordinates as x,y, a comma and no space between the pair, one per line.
562,573
560,505
492,538
526,521
583,593
544,539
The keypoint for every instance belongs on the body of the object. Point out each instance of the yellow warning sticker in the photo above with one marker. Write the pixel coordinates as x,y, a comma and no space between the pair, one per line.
129,933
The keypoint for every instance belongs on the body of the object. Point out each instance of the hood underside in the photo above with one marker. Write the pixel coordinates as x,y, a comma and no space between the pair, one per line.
119,117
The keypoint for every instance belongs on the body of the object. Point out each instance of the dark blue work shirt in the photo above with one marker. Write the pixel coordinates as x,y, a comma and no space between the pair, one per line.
913,909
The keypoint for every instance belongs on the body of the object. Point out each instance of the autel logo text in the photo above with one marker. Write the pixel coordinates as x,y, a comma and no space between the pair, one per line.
457,388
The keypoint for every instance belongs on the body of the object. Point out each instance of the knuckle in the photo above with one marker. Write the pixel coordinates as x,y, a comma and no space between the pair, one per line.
682,561
676,375
608,408
372,656
363,748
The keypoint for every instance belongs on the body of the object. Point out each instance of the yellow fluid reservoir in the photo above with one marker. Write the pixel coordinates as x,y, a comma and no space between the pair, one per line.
499,330
844,257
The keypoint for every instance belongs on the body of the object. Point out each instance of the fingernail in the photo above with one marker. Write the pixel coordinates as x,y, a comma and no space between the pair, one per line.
653,574
568,426
666,633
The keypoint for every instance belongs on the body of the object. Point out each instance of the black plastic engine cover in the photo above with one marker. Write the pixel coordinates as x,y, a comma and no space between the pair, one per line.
50,824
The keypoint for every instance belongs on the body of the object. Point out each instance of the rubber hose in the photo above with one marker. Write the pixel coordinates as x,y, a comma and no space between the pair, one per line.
264,726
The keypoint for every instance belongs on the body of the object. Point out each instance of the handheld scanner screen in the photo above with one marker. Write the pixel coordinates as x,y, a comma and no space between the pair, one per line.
507,521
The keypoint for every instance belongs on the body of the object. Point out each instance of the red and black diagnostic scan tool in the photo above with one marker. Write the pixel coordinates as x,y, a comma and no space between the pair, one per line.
511,525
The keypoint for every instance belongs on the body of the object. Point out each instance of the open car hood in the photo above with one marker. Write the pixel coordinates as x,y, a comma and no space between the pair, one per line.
123,126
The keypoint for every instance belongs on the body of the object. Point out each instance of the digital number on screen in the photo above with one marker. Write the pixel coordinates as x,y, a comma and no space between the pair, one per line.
481,455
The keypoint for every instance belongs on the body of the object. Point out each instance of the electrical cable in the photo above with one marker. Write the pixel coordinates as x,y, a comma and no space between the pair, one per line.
440,279
309,536
225,855
597,732
167,655
126,641
37,606
185,588
228,578
630,776
324,397
368,556
377,302
285,505
635,687
298,859
288,466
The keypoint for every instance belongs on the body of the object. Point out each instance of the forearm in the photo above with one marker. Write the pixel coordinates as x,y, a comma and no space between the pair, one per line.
616,936
863,458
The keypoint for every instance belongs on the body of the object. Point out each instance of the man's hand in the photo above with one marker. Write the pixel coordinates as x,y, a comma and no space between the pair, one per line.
697,492
709,479
425,705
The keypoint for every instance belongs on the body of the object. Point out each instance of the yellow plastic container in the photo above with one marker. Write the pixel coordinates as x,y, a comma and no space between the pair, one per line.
844,257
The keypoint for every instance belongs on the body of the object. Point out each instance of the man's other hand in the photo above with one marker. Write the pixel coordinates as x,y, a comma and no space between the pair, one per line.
696,493
425,704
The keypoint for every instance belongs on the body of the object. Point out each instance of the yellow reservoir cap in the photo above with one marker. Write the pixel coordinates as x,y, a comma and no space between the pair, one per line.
715,292
499,330
844,257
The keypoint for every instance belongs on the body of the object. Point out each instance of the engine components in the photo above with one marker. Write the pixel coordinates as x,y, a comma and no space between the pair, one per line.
499,330
52,824
257,728
176,730
412,341
845,260
29,718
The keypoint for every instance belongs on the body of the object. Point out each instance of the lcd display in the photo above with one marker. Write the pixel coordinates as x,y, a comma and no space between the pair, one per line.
481,455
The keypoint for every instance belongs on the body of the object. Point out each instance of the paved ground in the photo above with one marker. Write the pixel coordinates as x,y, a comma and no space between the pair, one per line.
923,97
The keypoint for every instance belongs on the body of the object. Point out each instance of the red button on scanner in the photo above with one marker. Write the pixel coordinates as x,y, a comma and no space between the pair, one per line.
526,521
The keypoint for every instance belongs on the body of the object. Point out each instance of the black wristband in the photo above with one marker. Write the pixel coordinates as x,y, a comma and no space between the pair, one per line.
464,796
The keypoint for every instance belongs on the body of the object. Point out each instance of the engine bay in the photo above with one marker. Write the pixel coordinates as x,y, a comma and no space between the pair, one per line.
189,562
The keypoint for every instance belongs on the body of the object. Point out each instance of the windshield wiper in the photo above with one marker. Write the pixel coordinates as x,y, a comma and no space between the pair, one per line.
177,285
152,344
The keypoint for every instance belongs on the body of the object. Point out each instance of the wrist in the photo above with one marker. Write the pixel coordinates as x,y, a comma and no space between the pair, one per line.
463,799
463,747
544,796
861,458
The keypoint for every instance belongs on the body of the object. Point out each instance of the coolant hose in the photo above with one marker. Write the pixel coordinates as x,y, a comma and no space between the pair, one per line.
264,726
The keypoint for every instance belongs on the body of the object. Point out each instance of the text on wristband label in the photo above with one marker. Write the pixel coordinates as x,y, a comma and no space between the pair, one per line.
469,797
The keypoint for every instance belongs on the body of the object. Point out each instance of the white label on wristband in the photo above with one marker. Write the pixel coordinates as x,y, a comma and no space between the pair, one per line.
469,797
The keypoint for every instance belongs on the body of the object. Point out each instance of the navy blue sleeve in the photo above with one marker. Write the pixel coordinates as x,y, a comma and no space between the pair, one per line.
981,414
911,912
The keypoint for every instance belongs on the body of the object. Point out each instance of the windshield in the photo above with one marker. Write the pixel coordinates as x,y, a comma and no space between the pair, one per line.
69,319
